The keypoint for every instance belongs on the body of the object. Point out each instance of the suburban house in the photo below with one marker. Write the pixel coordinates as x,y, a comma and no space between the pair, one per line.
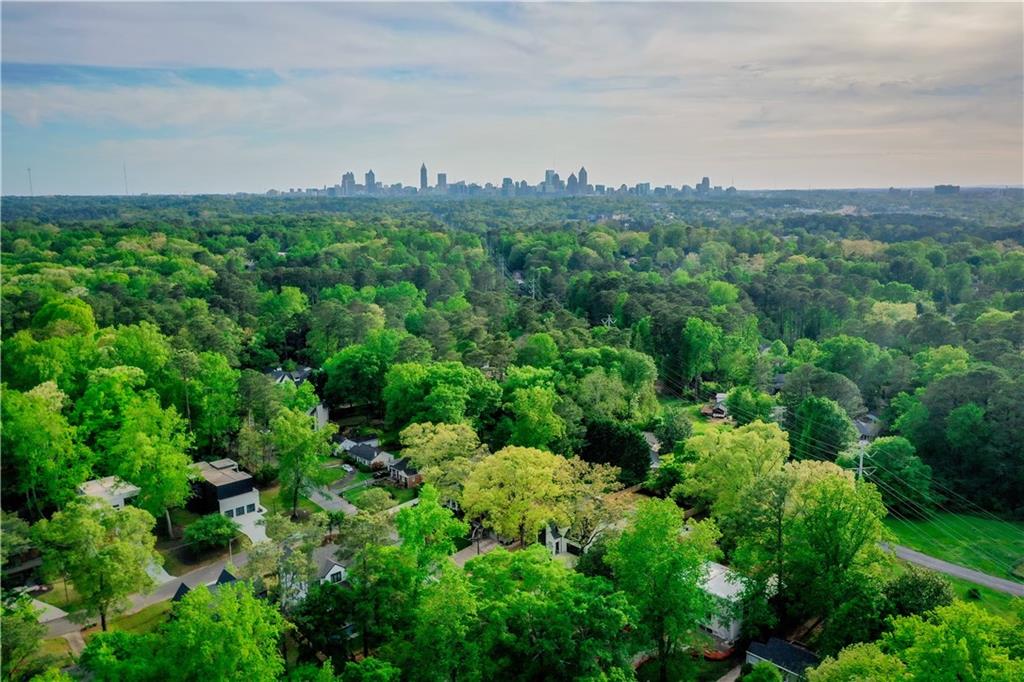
320,415
222,579
111,489
279,376
555,540
345,444
404,474
790,659
328,570
225,489
725,588
777,382
370,456
716,408
868,427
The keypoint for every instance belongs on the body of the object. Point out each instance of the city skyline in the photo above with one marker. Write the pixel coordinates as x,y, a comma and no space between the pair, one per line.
192,98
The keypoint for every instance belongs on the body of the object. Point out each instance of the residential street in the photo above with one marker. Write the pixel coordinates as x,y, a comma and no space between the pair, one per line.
330,501
200,576
915,557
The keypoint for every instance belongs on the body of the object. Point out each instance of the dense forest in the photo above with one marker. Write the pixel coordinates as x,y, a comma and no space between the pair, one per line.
561,336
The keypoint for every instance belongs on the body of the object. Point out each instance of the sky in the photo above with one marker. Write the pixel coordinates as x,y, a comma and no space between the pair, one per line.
226,97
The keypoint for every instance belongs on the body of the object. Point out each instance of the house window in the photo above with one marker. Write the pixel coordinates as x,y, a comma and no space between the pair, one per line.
239,511
250,508
336,577
229,513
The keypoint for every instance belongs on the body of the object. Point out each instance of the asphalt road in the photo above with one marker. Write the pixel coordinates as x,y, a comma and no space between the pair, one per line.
915,557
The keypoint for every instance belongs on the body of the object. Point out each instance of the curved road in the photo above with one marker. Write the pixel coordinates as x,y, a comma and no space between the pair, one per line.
921,559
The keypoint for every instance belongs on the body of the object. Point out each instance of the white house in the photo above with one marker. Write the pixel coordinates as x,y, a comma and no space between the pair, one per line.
370,456
320,415
725,588
328,570
111,489
225,489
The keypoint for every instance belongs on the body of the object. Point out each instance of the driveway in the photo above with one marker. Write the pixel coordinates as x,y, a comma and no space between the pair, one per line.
331,501
955,570
465,554
252,526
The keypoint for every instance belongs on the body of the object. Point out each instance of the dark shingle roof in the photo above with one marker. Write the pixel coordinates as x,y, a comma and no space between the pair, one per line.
405,465
180,592
788,656
364,452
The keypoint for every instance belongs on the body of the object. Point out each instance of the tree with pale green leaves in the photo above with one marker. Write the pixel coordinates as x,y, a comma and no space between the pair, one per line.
429,530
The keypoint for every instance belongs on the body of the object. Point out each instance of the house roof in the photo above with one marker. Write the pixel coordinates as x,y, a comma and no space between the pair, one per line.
324,559
108,488
868,425
221,472
364,452
222,579
180,592
789,657
404,465
722,581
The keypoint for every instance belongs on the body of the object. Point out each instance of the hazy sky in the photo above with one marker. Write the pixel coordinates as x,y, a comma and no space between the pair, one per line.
248,96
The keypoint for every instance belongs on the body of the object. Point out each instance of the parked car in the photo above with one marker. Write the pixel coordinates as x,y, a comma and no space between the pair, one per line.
348,467
380,474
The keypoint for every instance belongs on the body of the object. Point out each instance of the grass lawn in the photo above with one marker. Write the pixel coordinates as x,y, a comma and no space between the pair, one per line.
993,601
56,597
58,647
683,666
143,622
271,499
987,545
400,495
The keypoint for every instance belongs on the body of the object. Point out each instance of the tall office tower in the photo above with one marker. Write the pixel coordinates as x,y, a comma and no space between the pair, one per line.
572,185
423,178
371,181
348,183
442,181
704,186
549,178
507,187
583,179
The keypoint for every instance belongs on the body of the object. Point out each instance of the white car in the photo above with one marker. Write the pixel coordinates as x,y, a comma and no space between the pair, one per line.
348,468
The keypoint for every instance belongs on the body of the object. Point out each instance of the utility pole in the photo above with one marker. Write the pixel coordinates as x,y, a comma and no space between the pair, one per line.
31,193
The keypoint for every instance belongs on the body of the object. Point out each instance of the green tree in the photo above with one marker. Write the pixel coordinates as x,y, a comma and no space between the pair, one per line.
444,454
301,451
673,428
859,662
660,570
444,634
728,462
701,344
356,374
903,479
762,672
213,397
539,350
370,670
103,551
149,450
40,447
746,405
230,635
20,656
917,591
516,491
535,422
622,446
823,430
210,532
428,530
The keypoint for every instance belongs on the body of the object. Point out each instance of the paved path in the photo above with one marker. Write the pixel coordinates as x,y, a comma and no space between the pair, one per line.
47,612
466,553
329,501
200,576
921,559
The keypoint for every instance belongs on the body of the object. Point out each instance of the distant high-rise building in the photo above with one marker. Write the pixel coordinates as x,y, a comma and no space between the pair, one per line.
549,176
572,185
583,179
442,181
507,187
348,183
423,178
704,186
371,181
947,189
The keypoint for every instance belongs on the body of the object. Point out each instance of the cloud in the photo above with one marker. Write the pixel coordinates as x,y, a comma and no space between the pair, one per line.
770,93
